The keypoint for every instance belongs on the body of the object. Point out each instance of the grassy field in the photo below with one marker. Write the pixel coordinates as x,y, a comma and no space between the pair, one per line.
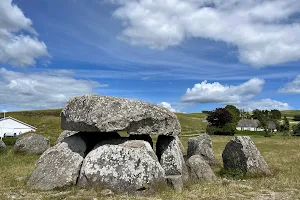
290,115
281,153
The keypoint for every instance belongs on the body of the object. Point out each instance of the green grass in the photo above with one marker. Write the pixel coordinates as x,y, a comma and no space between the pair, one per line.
281,153
290,113
290,116
192,123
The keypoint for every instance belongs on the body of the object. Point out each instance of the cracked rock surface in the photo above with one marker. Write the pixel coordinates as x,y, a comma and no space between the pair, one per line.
93,113
202,145
121,164
60,165
241,154
32,143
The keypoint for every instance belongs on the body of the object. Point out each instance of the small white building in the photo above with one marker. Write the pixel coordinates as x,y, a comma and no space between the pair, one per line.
12,127
249,125
254,125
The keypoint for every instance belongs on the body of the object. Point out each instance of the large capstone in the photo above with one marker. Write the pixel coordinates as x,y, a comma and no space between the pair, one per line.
241,154
170,156
32,143
199,170
202,145
121,164
92,113
2,146
60,165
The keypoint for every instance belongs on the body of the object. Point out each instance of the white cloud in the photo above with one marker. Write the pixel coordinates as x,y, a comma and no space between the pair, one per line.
16,48
225,94
41,90
168,106
292,87
264,31
264,104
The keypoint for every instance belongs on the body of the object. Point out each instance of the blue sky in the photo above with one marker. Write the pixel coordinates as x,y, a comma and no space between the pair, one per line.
190,55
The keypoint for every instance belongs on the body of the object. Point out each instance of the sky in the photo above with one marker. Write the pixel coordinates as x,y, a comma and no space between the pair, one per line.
185,55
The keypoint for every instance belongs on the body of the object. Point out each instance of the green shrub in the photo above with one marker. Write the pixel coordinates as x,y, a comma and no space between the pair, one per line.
296,129
297,118
227,129
249,133
9,141
232,174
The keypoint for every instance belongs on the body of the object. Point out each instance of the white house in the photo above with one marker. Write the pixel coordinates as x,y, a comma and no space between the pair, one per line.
249,125
254,125
12,127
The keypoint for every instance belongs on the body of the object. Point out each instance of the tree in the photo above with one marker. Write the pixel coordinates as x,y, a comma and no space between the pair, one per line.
263,117
256,114
219,117
235,113
286,124
220,122
275,114
245,115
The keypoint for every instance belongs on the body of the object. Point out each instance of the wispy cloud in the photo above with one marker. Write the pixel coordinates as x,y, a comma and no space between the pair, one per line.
261,30
264,104
41,90
292,87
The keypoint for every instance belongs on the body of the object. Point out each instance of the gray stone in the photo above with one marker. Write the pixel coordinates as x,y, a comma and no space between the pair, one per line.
2,146
32,143
175,182
92,113
146,138
125,165
202,145
65,134
170,156
180,145
199,170
241,154
60,165
107,192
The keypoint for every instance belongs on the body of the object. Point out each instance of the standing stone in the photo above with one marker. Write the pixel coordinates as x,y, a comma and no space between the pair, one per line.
32,143
199,169
180,145
202,145
92,113
125,165
65,134
170,157
175,182
241,154
146,138
2,146
60,165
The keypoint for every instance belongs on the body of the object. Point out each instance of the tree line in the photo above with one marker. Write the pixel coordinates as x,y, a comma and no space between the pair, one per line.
223,121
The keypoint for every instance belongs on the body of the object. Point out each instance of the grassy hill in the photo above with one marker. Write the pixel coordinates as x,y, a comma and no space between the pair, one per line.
290,115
